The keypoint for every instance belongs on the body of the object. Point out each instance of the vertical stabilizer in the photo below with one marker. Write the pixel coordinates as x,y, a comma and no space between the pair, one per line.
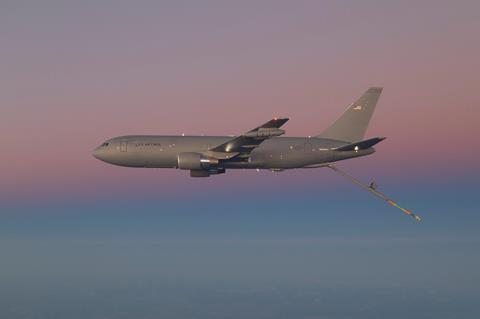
353,123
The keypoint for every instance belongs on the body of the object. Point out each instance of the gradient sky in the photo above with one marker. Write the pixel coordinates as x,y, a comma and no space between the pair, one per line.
75,73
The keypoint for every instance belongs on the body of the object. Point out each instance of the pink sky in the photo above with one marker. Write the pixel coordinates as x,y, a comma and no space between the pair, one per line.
73,77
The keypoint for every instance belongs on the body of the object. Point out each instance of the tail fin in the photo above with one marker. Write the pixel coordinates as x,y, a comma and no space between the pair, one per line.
353,123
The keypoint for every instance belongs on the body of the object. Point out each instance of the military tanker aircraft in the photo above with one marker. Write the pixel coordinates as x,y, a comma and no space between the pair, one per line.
260,148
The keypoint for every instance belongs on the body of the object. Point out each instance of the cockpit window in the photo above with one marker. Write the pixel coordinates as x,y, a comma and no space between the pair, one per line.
105,144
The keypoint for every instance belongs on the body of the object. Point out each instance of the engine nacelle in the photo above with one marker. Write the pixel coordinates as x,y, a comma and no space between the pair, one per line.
195,161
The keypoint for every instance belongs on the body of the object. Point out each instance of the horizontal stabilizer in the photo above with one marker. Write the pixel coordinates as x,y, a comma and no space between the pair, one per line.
360,145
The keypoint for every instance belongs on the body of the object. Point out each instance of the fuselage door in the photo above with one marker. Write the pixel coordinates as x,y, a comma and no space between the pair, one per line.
309,147
123,146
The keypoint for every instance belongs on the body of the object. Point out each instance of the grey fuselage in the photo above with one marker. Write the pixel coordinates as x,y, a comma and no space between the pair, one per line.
277,153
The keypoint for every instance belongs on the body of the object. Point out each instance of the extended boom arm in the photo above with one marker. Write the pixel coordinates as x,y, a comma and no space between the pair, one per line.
372,188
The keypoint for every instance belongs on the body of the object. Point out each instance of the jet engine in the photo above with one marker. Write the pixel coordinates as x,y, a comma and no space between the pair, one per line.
195,161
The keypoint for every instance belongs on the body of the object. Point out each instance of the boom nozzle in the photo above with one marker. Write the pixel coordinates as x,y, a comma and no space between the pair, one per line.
406,211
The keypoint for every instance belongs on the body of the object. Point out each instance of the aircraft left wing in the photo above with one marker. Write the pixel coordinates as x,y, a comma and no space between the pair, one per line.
241,146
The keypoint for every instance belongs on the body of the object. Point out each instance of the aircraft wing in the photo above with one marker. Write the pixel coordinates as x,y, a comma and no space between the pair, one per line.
241,146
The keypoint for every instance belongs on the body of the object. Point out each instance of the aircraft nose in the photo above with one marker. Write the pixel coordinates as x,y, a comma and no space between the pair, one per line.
97,153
